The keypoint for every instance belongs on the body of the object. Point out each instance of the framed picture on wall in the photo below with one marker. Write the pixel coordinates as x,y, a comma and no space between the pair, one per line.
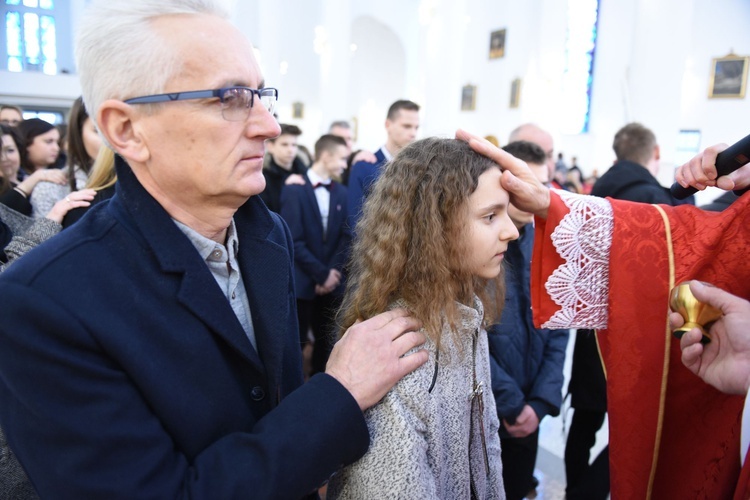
355,128
497,44
468,97
728,76
515,92
298,110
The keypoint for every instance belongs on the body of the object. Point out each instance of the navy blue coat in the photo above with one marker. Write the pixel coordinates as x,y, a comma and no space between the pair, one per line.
315,252
361,178
526,363
124,372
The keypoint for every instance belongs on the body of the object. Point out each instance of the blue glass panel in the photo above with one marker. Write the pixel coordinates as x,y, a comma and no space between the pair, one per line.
31,3
580,47
15,64
49,45
31,37
47,4
13,33
12,2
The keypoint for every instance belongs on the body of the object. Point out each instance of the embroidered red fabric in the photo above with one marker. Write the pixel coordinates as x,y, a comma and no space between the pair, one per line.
697,446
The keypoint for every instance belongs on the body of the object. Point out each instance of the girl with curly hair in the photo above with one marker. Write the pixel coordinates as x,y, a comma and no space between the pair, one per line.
431,239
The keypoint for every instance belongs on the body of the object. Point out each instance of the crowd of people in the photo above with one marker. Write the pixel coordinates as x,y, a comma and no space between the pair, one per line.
162,280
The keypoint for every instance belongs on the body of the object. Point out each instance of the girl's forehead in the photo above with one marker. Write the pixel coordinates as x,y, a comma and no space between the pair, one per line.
489,187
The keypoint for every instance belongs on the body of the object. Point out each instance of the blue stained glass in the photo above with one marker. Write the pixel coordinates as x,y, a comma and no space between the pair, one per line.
31,37
580,55
31,40
13,33
49,46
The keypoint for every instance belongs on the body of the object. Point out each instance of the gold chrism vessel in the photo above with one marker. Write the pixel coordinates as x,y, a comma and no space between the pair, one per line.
696,314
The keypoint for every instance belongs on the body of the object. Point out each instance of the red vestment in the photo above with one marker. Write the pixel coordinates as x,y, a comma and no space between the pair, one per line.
671,435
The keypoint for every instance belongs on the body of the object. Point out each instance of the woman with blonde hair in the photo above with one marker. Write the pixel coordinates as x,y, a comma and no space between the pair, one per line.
431,239
102,179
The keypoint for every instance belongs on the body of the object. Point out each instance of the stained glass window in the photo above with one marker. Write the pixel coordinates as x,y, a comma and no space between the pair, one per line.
31,36
49,47
13,41
580,47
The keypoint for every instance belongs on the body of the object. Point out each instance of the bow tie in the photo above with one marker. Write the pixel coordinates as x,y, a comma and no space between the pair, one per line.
322,185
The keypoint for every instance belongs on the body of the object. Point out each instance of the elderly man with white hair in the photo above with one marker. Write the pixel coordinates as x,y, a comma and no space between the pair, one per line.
151,351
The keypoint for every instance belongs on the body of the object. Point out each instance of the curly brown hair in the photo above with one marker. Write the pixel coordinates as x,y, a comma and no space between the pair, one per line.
411,239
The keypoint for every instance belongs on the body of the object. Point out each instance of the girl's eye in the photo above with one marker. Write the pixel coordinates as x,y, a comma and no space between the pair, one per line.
489,217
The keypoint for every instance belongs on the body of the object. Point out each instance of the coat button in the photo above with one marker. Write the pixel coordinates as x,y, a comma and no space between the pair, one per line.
257,393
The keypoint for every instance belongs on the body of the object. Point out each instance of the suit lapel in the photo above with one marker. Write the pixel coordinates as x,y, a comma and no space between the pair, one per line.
266,268
202,296
176,255
335,209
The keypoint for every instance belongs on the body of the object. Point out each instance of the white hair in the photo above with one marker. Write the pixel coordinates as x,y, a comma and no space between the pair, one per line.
120,55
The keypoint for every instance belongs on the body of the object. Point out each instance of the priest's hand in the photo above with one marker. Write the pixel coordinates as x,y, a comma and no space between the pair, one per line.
725,361
526,423
526,192
700,172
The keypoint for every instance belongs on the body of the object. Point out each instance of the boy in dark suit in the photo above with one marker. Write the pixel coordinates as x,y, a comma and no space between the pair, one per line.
316,213
281,165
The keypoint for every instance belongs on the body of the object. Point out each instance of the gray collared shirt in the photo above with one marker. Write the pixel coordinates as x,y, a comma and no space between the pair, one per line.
226,271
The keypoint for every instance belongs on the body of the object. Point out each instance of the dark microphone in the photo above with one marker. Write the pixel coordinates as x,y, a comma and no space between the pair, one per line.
729,160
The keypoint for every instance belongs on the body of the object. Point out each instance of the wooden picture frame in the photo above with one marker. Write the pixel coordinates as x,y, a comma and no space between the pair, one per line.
515,93
468,97
497,44
728,77
355,128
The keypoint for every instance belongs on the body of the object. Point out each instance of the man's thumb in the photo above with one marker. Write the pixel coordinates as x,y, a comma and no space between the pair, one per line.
709,294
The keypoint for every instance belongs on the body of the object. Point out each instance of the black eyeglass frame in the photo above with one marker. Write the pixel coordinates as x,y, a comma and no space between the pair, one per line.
201,94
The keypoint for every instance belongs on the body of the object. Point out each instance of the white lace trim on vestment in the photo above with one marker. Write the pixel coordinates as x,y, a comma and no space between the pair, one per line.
580,286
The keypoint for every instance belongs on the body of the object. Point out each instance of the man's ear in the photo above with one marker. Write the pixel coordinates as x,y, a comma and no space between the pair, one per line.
657,153
325,156
116,121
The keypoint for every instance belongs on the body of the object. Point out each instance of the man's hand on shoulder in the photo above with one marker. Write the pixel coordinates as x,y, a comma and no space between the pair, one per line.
365,156
295,179
369,359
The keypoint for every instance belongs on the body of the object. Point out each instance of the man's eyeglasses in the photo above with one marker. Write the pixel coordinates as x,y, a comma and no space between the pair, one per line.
236,102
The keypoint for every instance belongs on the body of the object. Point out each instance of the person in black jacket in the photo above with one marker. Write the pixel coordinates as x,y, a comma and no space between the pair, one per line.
633,176
282,165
